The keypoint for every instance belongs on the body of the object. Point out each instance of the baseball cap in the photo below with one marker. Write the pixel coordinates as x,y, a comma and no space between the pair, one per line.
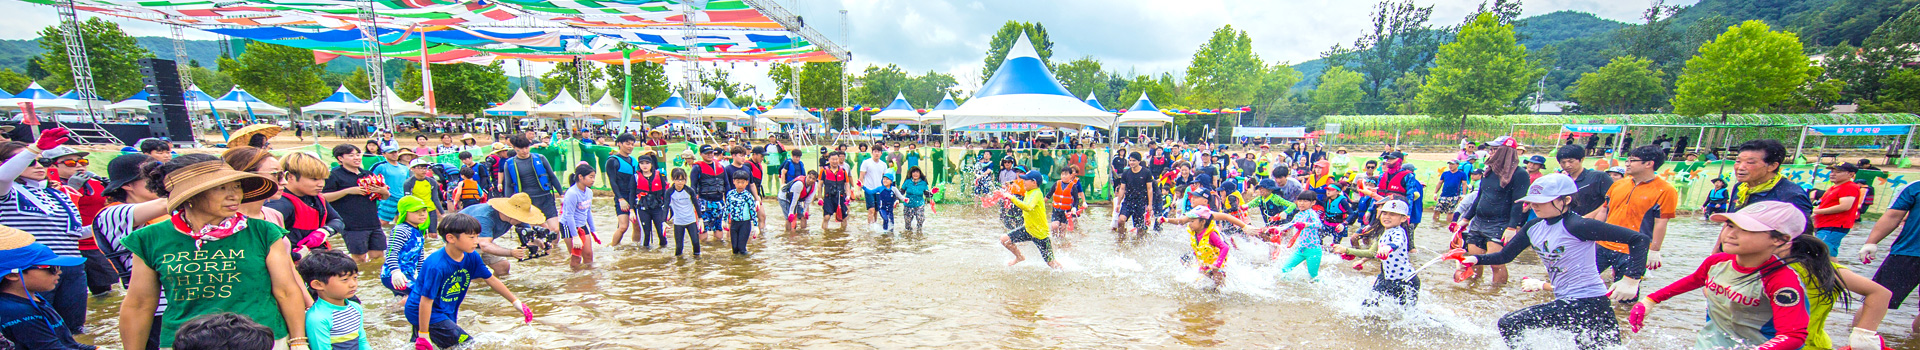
1549,187
61,151
1269,184
1767,216
1394,206
124,169
1393,155
1035,176
419,162
1847,167
1537,159
1199,211
19,251
1618,170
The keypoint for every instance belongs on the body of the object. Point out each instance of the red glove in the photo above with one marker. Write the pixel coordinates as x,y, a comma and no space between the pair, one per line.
51,138
1456,255
421,343
1638,316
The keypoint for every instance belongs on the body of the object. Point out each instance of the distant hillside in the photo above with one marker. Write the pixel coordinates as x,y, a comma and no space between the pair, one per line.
1537,32
15,53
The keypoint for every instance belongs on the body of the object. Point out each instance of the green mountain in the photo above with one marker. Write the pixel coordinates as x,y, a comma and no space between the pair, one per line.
14,54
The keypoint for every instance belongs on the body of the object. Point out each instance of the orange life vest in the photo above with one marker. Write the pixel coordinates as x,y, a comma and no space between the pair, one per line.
1063,194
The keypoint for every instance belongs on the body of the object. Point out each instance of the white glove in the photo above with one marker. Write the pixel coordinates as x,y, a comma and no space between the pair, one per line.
1864,339
1624,290
1653,260
1867,252
1528,284
398,279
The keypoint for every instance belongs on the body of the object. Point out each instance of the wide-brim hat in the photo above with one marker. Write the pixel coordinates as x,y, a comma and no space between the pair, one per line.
467,136
18,251
191,180
500,147
519,207
6,129
268,130
124,169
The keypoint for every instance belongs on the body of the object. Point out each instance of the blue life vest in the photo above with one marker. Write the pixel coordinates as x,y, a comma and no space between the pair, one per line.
513,176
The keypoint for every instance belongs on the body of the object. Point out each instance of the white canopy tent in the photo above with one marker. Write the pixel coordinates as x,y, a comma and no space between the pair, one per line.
398,107
342,102
788,111
1023,91
520,105
606,107
1143,113
136,104
722,110
239,101
563,105
898,112
938,115
40,97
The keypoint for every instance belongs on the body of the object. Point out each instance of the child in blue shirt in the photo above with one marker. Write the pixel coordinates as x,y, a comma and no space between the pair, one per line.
742,208
334,321
887,198
30,270
441,286
1303,234
406,245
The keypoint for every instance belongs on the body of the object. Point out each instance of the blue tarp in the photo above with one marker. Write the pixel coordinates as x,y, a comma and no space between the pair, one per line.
1859,130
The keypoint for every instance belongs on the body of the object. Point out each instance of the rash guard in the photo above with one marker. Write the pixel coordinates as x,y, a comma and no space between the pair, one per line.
1566,246
1744,312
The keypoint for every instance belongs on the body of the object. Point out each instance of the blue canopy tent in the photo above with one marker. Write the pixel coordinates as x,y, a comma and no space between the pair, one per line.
341,102
673,109
1095,102
1022,90
1859,130
897,112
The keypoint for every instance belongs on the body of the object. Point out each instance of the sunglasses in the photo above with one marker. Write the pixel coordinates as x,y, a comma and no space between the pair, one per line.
80,162
48,268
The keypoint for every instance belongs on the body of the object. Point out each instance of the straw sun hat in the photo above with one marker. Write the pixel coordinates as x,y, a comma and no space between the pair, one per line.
268,130
197,178
18,252
519,207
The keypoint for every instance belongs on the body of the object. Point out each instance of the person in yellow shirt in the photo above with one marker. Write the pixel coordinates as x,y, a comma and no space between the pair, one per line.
1033,208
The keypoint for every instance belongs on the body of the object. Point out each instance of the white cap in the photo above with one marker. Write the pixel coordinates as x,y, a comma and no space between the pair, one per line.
1394,206
420,162
1549,187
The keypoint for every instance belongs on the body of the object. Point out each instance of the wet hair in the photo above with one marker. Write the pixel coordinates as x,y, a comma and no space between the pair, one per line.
305,165
520,141
222,331
741,175
678,174
1651,153
245,158
795,153
157,175
458,223
325,264
150,145
343,150
1774,152
1570,152
581,171
464,155
1811,253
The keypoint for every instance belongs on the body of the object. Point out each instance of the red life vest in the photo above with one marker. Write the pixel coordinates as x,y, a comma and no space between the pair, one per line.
1394,182
305,217
1062,197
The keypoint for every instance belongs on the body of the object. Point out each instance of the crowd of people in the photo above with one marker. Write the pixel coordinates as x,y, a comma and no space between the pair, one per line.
235,250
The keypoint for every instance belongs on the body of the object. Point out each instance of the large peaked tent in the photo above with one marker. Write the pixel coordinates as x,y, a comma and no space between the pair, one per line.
239,101
938,114
1023,91
674,108
342,102
563,105
723,110
520,105
788,111
1143,113
898,112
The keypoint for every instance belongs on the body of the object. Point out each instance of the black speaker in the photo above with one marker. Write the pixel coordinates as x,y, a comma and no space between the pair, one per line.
168,117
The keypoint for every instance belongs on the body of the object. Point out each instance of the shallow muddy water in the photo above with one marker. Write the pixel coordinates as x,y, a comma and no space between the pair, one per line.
950,288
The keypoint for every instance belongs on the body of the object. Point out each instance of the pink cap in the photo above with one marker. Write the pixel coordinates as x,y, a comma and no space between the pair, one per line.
1767,216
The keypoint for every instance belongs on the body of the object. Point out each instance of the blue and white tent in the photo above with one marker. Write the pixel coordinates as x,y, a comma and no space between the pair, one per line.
138,104
788,111
1023,91
938,115
1095,102
33,93
240,102
898,112
674,108
341,102
1143,113
722,110
520,105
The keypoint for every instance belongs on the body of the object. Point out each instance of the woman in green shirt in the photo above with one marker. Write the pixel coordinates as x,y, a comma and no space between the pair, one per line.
208,257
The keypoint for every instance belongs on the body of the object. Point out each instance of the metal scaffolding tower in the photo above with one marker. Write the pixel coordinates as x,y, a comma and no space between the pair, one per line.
376,70
180,59
87,130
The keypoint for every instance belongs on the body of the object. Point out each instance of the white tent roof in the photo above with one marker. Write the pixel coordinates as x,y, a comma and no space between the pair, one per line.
42,99
722,110
674,108
788,111
397,106
938,115
562,105
606,107
517,106
897,112
1023,91
1143,113
137,103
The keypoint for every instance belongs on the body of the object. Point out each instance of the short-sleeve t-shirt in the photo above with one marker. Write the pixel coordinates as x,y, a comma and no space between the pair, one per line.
1635,206
1137,184
491,226
445,281
1845,218
871,173
1450,183
219,276
1908,243
337,327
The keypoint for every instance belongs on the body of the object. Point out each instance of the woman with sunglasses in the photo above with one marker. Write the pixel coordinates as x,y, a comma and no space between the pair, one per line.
29,204
210,258
88,191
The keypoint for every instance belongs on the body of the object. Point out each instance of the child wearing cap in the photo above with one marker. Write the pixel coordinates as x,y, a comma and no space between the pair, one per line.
1567,244
1755,300
405,246
1386,239
1210,248
423,185
32,270
1033,208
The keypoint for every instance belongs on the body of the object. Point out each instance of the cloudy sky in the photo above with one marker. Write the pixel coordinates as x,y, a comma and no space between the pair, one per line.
1144,36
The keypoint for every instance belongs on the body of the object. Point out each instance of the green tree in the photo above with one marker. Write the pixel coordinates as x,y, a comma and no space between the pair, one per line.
1003,41
356,83
408,86
927,89
878,85
1276,85
819,87
783,76
1892,46
213,82
1224,72
1399,41
1626,85
1403,98
1902,96
650,86
1817,95
466,88
1483,71
565,76
721,83
1748,67
111,54
1081,75
12,81
283,76
1338,92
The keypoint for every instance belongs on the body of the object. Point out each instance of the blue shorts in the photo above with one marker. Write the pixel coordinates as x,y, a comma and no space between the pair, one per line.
711,214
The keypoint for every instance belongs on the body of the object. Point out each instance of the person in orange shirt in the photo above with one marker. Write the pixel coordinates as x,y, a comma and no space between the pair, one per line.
1643,203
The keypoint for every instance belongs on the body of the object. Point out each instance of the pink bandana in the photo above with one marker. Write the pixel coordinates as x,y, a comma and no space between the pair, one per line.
212,232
